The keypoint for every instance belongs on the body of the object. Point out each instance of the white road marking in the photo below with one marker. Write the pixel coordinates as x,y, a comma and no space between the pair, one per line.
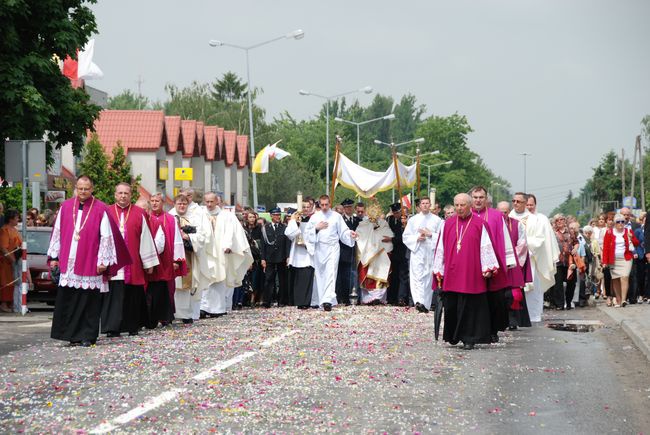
167,396
222,366
270,341
147,406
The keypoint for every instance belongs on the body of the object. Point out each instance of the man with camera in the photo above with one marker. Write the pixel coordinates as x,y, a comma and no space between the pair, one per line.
196,234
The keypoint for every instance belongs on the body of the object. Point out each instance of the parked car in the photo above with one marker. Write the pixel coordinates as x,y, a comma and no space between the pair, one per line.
42,288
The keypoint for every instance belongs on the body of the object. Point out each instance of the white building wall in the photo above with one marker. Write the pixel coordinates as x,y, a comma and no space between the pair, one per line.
246,197
218,169
198,173
67,158
144,164
234,187
227,183
207,176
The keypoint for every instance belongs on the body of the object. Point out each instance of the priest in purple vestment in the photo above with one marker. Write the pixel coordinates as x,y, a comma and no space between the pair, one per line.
87,248
519,275
124,307
464,259
499,282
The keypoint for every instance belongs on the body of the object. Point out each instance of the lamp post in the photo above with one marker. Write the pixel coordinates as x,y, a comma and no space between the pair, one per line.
296,34
366,90
359,124
393,147
525,155
448,162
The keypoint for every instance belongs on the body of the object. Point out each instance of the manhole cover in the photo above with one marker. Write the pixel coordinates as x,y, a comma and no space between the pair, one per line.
575,325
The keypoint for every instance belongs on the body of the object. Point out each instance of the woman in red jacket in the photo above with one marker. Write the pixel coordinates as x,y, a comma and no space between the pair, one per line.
618,252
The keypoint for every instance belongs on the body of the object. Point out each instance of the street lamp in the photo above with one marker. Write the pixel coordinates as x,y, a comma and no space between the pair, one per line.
365,90
393,146
525,155
358,124
448,162
296,34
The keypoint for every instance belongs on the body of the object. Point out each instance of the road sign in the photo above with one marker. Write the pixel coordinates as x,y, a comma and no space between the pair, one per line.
183,174
629,201
36,168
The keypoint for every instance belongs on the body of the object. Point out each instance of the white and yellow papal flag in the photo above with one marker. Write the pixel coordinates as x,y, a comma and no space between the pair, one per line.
266,154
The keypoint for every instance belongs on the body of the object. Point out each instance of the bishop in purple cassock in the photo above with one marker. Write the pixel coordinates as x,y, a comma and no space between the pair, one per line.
498,283
464,259
88,249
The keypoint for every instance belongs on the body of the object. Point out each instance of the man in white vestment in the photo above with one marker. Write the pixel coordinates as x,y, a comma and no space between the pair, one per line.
373,246
420,237
229,257
543,249
301,257
328,228
195,231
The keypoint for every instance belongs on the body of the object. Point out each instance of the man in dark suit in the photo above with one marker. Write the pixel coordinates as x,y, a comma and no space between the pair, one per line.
274,260
347,260
398,290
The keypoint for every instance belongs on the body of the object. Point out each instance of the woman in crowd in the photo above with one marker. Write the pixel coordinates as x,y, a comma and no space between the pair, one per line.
10,240
255,276
618,253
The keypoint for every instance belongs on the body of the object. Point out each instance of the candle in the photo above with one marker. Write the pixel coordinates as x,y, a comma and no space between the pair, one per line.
299,201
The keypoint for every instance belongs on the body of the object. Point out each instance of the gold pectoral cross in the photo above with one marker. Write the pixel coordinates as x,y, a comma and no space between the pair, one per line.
458,246
77,236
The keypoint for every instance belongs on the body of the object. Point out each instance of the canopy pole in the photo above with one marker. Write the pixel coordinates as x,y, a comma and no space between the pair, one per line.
399,186
336,167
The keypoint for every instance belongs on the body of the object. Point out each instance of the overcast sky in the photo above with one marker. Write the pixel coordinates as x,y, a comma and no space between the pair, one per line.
564,80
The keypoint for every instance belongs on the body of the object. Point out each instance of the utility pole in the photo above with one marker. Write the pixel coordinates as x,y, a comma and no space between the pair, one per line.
623,172
640,148
139,82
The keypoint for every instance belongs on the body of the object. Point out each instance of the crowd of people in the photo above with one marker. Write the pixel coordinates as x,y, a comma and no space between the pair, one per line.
124,266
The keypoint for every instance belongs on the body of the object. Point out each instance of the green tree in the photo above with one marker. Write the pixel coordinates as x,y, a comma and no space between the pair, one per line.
12,197
127,100
229,88
285,178
106,173
35,96
120,171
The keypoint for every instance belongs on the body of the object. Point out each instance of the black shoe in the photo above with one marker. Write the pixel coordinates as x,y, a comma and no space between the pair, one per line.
113,334
421,308
327,307
266,305
74,343
203,314
188,321
494,338
85,343
134,333
512,328
569,307
468,346
402,303
453,342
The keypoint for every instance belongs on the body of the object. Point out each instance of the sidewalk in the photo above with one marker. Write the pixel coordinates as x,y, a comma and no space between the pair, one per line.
634,320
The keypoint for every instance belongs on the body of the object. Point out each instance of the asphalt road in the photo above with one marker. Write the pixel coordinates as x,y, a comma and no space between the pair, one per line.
357,369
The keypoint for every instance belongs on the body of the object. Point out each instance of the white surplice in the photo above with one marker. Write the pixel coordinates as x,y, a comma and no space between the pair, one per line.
327,251
373,253
106,255
148,251
544,252
226,270
421,262
187,302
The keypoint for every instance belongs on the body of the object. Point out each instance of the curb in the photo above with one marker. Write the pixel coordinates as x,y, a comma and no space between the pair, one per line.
630,327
